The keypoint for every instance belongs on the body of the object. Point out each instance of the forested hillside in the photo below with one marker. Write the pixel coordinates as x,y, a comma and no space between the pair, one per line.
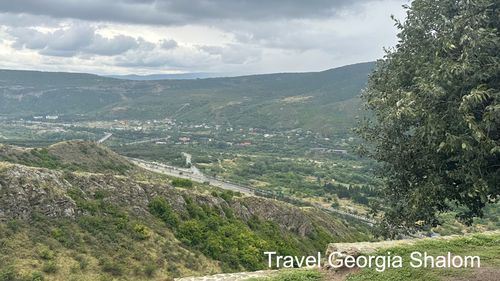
320,101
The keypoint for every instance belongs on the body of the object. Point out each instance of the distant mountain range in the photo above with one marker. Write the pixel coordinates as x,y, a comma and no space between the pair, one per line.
149,77
325,101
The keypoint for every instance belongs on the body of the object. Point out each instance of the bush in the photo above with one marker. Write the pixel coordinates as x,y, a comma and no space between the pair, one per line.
227,195
192,232
8,274
37,276
161,209
142,232
335,203
150,270
360,199
46,254
82,262
112,268
49,267
182,183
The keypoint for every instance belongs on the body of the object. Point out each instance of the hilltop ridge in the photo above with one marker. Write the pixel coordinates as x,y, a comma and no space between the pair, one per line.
61,222
325,101
69,155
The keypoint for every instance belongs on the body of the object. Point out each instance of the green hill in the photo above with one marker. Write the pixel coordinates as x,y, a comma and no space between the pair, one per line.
60,223
320,101
70,156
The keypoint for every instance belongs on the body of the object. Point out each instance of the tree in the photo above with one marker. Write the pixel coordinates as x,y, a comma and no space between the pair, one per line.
434,103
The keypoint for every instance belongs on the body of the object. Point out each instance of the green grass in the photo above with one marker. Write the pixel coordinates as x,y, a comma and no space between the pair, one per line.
68,156
238,245
107,242
108,239
487,247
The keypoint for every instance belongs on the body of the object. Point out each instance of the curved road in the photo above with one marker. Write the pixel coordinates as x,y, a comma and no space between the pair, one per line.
197,176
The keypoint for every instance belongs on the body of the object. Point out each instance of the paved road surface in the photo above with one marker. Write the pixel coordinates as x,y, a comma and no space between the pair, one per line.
103,139
198,176
147,141
189,174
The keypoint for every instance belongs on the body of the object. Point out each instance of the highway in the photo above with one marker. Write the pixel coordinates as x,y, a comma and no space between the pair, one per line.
197,176
147,141
103,139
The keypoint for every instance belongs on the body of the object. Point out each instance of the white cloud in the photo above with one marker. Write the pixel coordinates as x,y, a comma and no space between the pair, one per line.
222,36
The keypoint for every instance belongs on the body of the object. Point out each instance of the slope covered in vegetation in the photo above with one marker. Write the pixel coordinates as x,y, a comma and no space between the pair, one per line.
321,101
69,155
59,224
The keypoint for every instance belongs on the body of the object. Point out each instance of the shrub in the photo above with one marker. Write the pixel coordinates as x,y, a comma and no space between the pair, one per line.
82,262
8,274
360,199
227,195
161,209
49,267
37,276
46,254
335,203
150,270
182,183
142,232
192,232
112,268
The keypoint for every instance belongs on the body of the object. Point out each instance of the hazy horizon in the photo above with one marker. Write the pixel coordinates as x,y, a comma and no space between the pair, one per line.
195,75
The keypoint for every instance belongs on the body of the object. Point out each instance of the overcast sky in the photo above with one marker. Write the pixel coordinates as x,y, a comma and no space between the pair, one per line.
177,36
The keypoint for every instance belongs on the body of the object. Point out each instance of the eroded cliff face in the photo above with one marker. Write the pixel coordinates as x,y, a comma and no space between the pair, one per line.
76,204
289,218
26,191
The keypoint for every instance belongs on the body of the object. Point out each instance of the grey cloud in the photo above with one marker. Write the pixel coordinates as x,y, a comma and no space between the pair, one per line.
29,38
23,20
352,31
257,35
175,12
72,39
111,46
168,44
178,59
187,58
78,39
234,53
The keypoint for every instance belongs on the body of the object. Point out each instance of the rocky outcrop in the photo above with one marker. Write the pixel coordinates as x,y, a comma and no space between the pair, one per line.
27,191
292,218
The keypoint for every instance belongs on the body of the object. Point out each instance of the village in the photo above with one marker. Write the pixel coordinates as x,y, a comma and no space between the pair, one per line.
52,127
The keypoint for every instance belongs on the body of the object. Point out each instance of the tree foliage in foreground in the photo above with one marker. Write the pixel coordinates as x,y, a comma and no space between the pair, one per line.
435,103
